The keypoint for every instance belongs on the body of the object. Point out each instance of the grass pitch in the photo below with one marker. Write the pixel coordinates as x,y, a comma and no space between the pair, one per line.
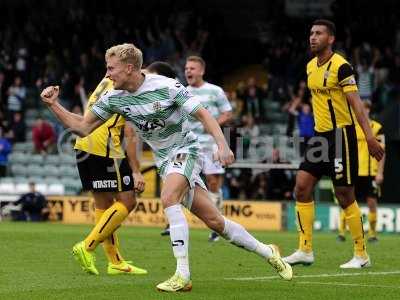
36,263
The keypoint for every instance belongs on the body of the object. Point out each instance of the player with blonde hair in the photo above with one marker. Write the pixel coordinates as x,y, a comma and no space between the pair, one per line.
158,107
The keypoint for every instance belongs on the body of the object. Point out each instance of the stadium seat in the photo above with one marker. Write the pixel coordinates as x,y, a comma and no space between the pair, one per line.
7,188
35,170
52,159
19,170
72,186
36,159
20,179
19,147
56,189
68,171
41,187
51,170
67,159
7,179
22,188
18,157
36,179
51,180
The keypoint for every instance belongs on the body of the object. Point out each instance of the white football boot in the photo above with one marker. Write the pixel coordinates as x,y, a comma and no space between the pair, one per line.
300,257
357,262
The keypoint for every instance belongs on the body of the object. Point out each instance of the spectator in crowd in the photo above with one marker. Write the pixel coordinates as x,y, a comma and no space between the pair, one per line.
249,132
43,136
293,105
33,206
2,91
280,182
17,132
16,97
253,104
237,106
260,186
305,122
5,149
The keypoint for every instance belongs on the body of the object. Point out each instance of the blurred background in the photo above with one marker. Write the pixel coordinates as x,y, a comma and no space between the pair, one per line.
256,50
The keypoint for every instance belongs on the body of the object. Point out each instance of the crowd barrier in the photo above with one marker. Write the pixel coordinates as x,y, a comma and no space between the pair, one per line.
254,215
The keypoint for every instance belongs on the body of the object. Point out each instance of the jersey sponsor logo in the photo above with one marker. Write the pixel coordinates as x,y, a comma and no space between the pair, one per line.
103,184
150,125
320,91
126,180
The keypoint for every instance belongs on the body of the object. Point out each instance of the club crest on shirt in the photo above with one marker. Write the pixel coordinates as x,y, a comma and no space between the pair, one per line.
157,106
126,180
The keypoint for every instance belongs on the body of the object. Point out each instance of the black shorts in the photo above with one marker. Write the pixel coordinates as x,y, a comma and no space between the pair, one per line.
334,154
366,187
104,174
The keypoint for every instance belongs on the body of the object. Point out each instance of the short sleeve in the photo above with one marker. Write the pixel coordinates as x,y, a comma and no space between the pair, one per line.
223,103
102,107
346,78
185,99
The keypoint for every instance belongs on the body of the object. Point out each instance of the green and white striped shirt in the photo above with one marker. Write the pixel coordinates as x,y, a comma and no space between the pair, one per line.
213,98
159,111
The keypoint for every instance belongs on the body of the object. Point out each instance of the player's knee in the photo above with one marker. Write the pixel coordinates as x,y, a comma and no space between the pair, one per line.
301,192
216,223
128,200
345,196
169,198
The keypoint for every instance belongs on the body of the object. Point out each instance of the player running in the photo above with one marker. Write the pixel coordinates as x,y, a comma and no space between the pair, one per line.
158,108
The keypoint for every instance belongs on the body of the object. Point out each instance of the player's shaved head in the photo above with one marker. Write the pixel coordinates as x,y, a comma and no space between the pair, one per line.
330,26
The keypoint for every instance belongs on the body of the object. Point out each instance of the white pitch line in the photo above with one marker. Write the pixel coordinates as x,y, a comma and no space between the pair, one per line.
318,275
349,284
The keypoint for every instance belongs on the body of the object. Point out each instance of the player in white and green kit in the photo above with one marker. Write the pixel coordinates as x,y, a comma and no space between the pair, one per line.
159,107
213,98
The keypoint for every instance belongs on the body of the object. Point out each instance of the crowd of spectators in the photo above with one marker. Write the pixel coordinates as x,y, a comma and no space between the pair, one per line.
67,47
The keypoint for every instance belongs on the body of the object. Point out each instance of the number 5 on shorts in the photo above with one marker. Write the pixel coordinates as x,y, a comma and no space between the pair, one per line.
338,165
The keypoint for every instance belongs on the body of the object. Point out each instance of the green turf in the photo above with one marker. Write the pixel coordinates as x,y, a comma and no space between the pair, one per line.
36,263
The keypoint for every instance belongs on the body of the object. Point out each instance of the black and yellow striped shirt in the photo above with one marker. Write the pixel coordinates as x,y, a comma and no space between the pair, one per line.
328,85
367,164
106,140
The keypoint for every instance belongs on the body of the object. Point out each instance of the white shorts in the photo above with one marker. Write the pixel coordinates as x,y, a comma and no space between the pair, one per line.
188,165
211,166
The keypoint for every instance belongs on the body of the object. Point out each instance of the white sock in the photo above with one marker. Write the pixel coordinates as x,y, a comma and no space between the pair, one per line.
239,236
179,234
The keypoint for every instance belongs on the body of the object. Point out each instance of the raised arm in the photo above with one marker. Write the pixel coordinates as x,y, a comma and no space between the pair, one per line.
81,125
374,148
225,155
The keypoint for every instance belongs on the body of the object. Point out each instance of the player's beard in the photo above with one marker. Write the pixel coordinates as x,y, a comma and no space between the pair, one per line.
319,49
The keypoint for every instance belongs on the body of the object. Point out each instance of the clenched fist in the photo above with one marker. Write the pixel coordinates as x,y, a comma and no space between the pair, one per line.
50,94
